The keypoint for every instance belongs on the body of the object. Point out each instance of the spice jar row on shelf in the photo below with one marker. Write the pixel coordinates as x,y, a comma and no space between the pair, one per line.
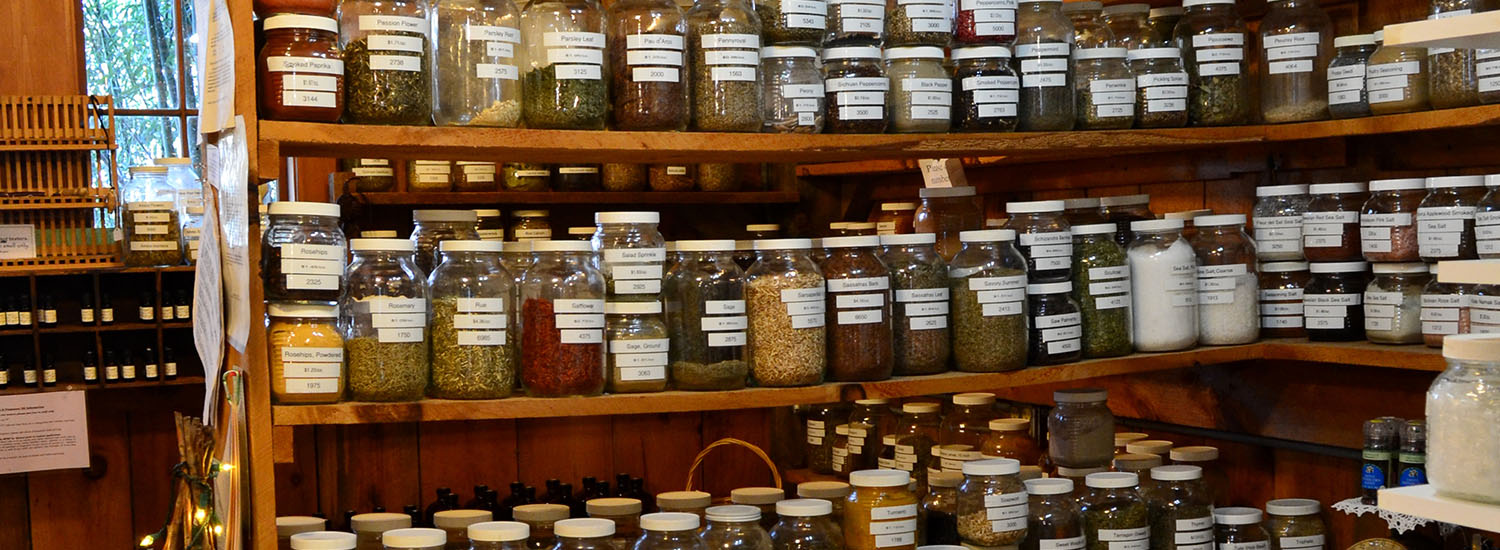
1385,303
378,175
161,214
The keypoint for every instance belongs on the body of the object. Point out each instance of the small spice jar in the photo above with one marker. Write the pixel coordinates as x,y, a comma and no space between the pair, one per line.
473,349
370,175
1453,82
455,523
1213,38
322,540
1295,524
920,312
369,527
1278,222
688,502
562,321
855,89
490,224
1081,429
1396,78
668,531
921,88
881,512
1216,479
939,513
307,353
987,282
705,305
834,492
526,176
287,526
1228,288
541,520
791,86
576,177
859,304
985,22
945,212
1053,516
916,436
988,88
1044,237
477,81
967,424
387,68
302,252
724,42
585,534
1104,89
415,538
842,464
1346,76
1281,285
431,227
1388,224
1161,87
301,69
992,503
562,81
1011,438
1295,36
1181,508
1056,324
1445,309
855,23
632,254
625,513
1128,24
426,176
1331,302
1393,303
1238,527
896,218
621,177
1044,40
784,298
764,498
1101,287
530,225
1113,511
793,22
384,317
498,535
1163,287
1445,218
918,23
474,176
149,219
648,83
1330,226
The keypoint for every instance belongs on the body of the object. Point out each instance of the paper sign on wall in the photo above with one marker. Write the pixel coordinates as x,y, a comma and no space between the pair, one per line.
43,431
943,172
17,242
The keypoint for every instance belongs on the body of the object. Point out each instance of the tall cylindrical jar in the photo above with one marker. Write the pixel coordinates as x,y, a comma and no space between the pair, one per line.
301,70
1104,89
921,99
1461,404
1330,226
302,252
945,212
1281,285
1445,218
705,299
432,227
1228,288
1089,30
562,80
992,503
476,77
1453,82
1277,222
987,89
859,306
1296,40
1332,302
919,279
1213,40
806,524
1081,429
1180,506
1044,42
987,282
784,295
1161,87
1101,286
724,43
387,69
632,254
384,316
647,47
1346,76
1445,309
1163,287
1393,303
562,321
1396,78
855,89
792,92
1044,238
1128,24
473,344
1388,222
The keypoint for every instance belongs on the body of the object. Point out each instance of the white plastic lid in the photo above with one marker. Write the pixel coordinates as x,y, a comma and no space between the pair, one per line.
1099,53
291,525
378,234
379,521
454,519
1455,181
852,52
908,239
1033,207
974,398
456,216
897,206
1153,53
1156,225
324,540
1080,395
1010,424
711,245
1049,486
853,241
499,531
1293,507
1166,11
1126,8
1401,184
763,227
382,245
1194,453
782,244
1084,5
561,246
756,495
1094,229
1125,200
914,52
1331,188
627,217
992,467
979,52
860,226
684,499
1280,190
1149,447
1124,438
1472,347
732,512
1065,471
529,213
1188,215
946,192
1406,267
804,507
1176,472
1337,267
582,230
1191,3
1236,515
879,478
415,537
1049,288
987,235
669,521
1081,202
632,308
523,247
541,512
315,311
1112,480
583,528
1354,40
823,489
303,208
1282,267
1219,219
1379,36
924,407
872,401
178,161
787,51
487,212
470,246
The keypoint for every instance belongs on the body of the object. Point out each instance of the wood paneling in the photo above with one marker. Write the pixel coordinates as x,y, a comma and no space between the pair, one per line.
43,48
461,455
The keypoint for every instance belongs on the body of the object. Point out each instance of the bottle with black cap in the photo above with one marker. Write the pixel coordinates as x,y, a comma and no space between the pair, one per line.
90,368
23,310
146,308
28,371
111,367
168,312
437,506
49,371
516,498
48,311
106,310
477,503
149,367
169,364
12,312
184,306
4,373
127,366
348,520
622,485
86,309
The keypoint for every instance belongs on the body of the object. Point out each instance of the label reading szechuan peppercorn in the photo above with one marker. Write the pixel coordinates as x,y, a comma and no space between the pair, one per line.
1326,229
1440,229
732,57
994,96
859,98
1044,65
575,55
931,98
480,321
1164,92
654,57
982,20
312,266
1109,287
724,323
1375,230
314,81
926,308
860,16
999,296
1346,84
1380,310
805,14
1487,68
1113,97
499,45
1387,82
1138,538
1291,53
1219,54
1328,311
397,320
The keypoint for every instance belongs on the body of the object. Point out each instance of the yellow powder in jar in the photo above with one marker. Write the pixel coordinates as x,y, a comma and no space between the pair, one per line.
306,355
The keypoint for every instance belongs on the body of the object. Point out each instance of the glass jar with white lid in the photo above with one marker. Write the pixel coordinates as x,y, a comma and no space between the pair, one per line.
584,534
323,540
288,526
1239,527
1461,405
1081,429
473,304
1123,209
387,62
705,305
1330,226
456,524
414,538
1044,42
302,252
1445,218
306,353
638,347
1277,222
1295,523
921,99
668,531
562,321
1396,78
632,254
791,88
1089,29
855,88
1346,76
562,76
434,226
149,219
919,278
1393,303
1104,88
1043,236
1388,222
385,319
1332,303
734,527
476,78
946,211
1161,87
498,535
1163,287
1228,287
987,282
1295,39
1213,39
1128,24
987,89
368,528
806,524
784,299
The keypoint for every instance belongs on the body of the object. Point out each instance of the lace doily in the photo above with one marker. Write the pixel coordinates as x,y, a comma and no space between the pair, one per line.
1400,522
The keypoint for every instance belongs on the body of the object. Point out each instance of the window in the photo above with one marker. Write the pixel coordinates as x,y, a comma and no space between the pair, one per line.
142,53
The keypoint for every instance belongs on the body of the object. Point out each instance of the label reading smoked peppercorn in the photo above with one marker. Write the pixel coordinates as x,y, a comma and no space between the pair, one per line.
994,96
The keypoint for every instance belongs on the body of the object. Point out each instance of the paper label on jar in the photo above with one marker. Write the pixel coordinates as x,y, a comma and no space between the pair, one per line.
1000,513
153,246
1281,321
311,385
639,255
1219,69
999,5
656,42
807,321
711,324
723,307
817,7
655,74
726,339
480,320
857,284
637,286
312,267
1113,535
398,320
1347,72
1379,323
1005,500
1000,309
578,306
893,527
997,283
860,317
932,322
741,41
636,360
1300,543
1200,536
1291,52
875,99
312,355
577,72
481,305
1075,543
1000,296
1044,49
731,57
862,25
1055,321
1109,287
481,337
581,336
1044,65
398,335
1383,298
635,271
150,229
1259,545
1196,524
918,309
885,513
489,33
381,304
852,301
368,23
371,172
805,308
575,55
573,39
1005,83
857,84
922,295
1115,272
1061,334
1166,92
150,217
1337,87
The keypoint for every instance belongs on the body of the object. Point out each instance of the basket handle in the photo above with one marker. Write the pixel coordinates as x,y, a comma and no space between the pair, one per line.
775,474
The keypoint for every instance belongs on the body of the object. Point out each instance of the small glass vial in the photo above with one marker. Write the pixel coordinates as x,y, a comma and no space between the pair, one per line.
498,535
1388,222
1240,528
1161,87
1396,78
791,87
415,538
1104,89
1346,76
1393,303
1331,303
1278,222
855,88
921,98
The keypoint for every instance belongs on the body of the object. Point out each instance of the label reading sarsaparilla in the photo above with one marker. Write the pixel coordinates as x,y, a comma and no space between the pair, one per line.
804,306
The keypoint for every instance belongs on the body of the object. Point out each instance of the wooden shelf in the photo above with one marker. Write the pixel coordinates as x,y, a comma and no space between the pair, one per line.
1475,31
1423,501
1473,272
15,332
75,386
1402,357
575,197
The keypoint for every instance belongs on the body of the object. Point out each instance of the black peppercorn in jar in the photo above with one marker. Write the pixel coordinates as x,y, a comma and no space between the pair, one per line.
1332,302
1161,87
855,87
301,69
1044,41
1330,226
791,89
648,83
1044,237
1445,218
1281,286
859,310
302,252
987,89
918,23
1213,39
1104,89
1388,222
724,42
1056,324
1346,76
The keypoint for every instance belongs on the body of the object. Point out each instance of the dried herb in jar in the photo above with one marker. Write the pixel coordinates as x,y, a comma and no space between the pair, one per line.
1106,314
804,23
992,343
1452,82
783,355
926,350
624,177
1165,520
386,371
150,244
1123,516
1218,100
1046,108
550,367
860,345
467,371
903,30
725,69
527,176
574,103
648,98
719,177
376,96
671,177
697,365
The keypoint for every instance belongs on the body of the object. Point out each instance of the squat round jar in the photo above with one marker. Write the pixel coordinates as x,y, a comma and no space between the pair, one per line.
1278,222
1113,511
880,506
1161,87
1281,285
1393,303
1331,303
735,527
1445,218
1081,429
415,538
306,353
638,342
987,89
1238,527
1396,78
1346,76
301,69
1388,222
1330,226
1295,523
1104,89
921,89
855,89
791,87
585,534
498,535
992,503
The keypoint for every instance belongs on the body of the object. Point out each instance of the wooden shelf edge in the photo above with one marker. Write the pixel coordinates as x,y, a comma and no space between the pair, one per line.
1423,501
1475,30
576,197
1406,357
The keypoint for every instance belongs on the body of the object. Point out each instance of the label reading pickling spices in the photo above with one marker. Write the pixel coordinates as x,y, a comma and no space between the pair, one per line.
1164,92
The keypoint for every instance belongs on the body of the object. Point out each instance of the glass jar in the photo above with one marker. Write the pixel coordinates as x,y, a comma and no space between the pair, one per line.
638,347
724,41
1332,300
1083,211
855,23
369,527
387,69
526,176
576,177
1136,463
791,86
322,540
370,175
1161,87
498,535
1128,24
148,216
1445,309
474,176
1180,507
1453,82
429,176
896,218
784,298
530,225
1484,310
1295,523
918,23
1089,30
1053,516
1330,226
431,227
306,353
1487,220
921,88
1346,76
1104,89
288,526
842,464
1056,324
1044,40
1113,511
542,520
967,424
1161,26
1081,429
1387,224
1445,218
1163,287
832,492
987,89
648,84
1213,39
384,318
922,341
1228,288
855,87
945,212
938,516
1295,37
985,22
624,513
301,69
1278,222
793,22
455,524
992,503
302,252
1215,479
881,512
735,527
987,282
1462,410
416,538
688,502
621,177
1396,78
478,82
1045,239
585,534
765,498
1238,527
860,343
474,354
667,531
632,254
1011,438
562,321
563,84
1393,303
706,318
489,224
1102,290
821,420
1281,285
916,437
